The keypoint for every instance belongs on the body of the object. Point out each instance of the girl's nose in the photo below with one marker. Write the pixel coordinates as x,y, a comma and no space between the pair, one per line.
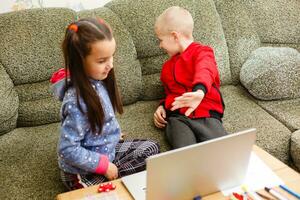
110,64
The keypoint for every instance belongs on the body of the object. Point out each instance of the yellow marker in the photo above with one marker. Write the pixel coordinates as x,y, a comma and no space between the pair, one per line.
253,195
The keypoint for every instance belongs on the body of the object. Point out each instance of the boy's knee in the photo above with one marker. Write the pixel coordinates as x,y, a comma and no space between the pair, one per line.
175,120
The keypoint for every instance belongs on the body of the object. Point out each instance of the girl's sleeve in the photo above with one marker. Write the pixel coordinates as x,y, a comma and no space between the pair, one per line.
205,69
73,129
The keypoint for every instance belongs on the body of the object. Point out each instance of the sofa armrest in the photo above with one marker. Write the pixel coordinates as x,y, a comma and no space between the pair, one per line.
295,148
9,102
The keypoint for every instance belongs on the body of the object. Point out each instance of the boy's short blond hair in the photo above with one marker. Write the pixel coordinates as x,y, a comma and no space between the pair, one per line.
176,19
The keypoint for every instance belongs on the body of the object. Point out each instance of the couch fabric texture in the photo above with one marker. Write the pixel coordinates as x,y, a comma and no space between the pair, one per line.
256,44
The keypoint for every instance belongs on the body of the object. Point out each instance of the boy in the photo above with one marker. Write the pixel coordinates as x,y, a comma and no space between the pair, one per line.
193,107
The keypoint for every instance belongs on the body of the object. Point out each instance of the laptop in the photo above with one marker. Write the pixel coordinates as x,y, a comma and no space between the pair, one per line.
194,170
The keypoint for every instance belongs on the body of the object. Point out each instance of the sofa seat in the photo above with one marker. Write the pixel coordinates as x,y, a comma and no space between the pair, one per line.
33,163
286,111
28,163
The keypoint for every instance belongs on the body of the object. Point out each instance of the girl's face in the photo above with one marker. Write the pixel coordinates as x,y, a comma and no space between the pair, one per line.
99,62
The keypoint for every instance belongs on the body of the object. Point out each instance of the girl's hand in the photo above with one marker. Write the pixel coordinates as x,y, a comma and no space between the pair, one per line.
159,117
112,172
190,100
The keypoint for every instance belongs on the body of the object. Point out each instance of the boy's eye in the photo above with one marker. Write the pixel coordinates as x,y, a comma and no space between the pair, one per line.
101,61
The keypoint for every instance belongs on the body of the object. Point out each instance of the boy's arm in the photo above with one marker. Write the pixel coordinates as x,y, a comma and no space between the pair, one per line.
204,77
162,101
205,69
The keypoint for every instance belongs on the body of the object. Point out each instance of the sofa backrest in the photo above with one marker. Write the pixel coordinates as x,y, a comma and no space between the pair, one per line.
139,17
30,47
30,52
276,22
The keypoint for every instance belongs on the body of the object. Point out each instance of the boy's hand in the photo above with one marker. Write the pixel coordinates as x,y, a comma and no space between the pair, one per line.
159,117
112,172
190,100
122,135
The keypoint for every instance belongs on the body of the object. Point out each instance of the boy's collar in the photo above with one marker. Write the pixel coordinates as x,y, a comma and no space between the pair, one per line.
186,54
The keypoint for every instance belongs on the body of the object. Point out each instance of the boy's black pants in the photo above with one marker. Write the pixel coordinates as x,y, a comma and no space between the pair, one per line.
182,131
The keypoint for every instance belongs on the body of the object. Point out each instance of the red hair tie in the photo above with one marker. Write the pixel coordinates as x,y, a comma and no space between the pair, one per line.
73,27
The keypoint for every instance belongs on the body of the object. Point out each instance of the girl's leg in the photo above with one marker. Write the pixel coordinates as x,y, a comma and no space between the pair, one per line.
131,155
76,181
130,158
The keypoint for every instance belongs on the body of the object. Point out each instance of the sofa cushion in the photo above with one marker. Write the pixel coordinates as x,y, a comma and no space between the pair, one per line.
32,38
137,122
242,112
286,111
208,30
9,102
240,33
38,112
272,73
295,148
30,53
276,21
37,104
126,64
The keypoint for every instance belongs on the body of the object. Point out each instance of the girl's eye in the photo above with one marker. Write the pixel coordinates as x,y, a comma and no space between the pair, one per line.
101,61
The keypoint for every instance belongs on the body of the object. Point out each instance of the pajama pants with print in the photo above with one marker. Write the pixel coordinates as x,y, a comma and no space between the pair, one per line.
130,158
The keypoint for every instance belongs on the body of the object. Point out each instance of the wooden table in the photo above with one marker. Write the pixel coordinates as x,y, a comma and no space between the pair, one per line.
290,177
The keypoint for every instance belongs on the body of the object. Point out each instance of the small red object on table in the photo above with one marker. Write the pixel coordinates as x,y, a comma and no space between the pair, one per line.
106,187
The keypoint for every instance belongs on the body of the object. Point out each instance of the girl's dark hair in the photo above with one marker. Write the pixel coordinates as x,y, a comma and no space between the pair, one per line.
76,46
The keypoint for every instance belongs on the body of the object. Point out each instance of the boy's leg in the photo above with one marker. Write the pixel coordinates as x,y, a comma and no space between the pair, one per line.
131,155
207,128
179,132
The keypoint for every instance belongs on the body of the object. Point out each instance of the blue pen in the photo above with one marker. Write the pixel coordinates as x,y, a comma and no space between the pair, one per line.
197,198
295,194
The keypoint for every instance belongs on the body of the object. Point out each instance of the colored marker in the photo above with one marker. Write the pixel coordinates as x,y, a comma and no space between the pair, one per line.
295,194
264,196
197,198
238,196
252,195
276,194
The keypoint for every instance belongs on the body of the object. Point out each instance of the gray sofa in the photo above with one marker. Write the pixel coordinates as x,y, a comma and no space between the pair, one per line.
256,45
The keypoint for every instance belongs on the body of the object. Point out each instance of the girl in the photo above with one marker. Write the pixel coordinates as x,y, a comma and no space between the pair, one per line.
89,150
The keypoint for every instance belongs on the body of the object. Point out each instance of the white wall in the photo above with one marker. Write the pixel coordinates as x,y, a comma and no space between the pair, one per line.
13,5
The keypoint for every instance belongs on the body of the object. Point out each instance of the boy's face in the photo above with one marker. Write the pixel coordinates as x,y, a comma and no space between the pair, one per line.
168,42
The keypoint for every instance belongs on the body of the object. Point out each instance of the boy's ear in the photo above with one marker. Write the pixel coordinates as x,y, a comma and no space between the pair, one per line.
175,35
